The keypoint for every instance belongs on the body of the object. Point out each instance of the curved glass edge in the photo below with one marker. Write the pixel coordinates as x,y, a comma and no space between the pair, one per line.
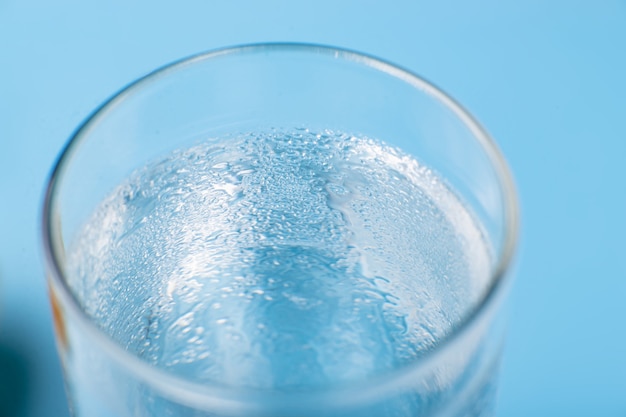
235,398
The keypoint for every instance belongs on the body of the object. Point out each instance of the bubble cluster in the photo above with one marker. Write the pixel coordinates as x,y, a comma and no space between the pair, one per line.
284,259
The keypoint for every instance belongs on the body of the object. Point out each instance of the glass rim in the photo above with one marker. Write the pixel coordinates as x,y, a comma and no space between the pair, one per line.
213,394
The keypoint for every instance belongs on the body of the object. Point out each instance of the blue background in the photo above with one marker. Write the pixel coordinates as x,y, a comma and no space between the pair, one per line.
547,79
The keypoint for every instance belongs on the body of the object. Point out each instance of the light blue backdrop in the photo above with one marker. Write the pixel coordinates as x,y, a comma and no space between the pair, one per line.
547,79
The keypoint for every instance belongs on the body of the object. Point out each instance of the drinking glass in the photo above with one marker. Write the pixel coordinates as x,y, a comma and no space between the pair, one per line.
349,108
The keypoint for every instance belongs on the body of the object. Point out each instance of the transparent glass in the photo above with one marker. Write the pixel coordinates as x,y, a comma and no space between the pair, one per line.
272,88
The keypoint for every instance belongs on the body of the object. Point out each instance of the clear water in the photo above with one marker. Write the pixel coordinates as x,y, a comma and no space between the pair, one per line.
283,260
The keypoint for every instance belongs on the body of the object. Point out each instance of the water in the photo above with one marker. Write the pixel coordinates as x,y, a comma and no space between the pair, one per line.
285,260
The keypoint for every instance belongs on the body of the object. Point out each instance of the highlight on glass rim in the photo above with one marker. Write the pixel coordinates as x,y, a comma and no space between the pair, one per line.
280,230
